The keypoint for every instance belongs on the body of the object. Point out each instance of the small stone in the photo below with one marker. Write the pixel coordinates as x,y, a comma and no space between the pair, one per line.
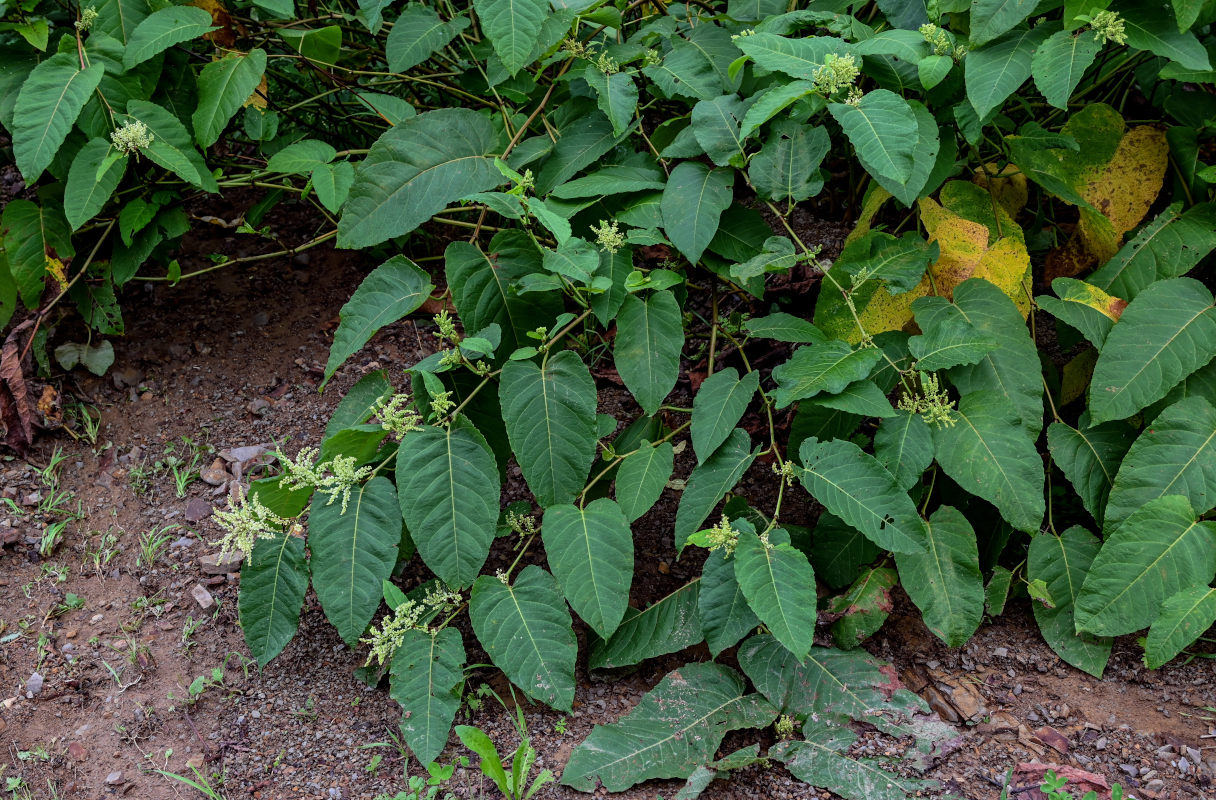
1131,770
1155,785
1193,755
114,778
202,597
77,751
33,686
1053,739
96,618
1184,766
214,565
215,474
1001,652
195,761
70,634
197,509
1100,744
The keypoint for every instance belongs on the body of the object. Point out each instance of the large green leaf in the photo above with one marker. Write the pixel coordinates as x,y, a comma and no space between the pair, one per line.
787,168
904,445
693,201
1175,454
948,338
838,551
395,288
48,104
715,125
353,553
449,490
996,71
357,406
87,191
1059,64
641,478
1062,562
710,481
273,584
1090,458
512,26
526,631
863,608
223,87
416,35
119,18
676,728
822,759
162,29
854,486
582,142
650,336
883,131
32,234
1165,334
415,169
172,147
616,95
945,580
987,452
779,585
991,18
798,58
827,367
1084,306
425,679
1184,618
1169,246
718,406
590,551
550,416
1149,26
1160,550
931,148
666,626
725,614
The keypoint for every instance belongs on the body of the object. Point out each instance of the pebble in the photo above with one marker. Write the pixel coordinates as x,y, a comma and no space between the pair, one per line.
214,565
114,778
1131,770
1100,744
1001,652
33,686
202,596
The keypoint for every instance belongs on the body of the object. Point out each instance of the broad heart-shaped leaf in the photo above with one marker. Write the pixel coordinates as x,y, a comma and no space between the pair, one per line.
1165,334
725,614
641,478
1175,454
948,339
945,580
273,584
1085,307
854,486
415,37
991,18
827,367
904,445
676,728
590,551
997,70
718,406
787,168
1157,552
883,131
550,416
779,585
822,759
48,104
425,677
1089,458
1184,618
1059,64
693,201
172,147
353,552
1062,562
710,481
666,626
223,87
448,485
162,29
392,290
415,169
513,27
526,631
87,191
988,453
32,235
649,338
1169,246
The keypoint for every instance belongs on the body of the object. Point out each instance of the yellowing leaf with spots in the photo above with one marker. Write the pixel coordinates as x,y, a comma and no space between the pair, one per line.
1007,186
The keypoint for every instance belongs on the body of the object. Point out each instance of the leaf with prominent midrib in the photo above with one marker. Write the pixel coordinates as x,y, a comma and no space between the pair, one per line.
995,71
526,630
1059,64
32,234
1062,563
903,444
650,336
273,585
1090,458
353,552
1184,618
947,338
883,131
162,29
449,489
718,406
725,614
838,551
590,551
416,35
87,191
1169,246
710,481
641,478
827,367
693,201
822,759
550,416
1084,306
425,675
991,18
513,27
666,626
223,87
48,104
779,585
945,580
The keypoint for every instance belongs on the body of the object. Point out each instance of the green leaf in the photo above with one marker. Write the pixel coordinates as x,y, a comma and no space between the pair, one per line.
172,147
693,201
718,407
360,402
612,180
725,614
710,481
715,125
513,27
994,72
991,18
574,258
854,486
1165,334
87,191
223,87
996,593
948,338
771,102
162,29
676,728
302,157
779,585
932,70
615,268
1084,306
273,584
48,104
650,336
119,18
353,552
332,184
945,580
1090,458
883,131
1158,551
863,608
1168,247
1185,617
417,35
616,94
787,168
784,327
1059,64
395,288
550,416
827,367
582,142
687,70
448,487
527,633
95,358
1175,454
822,759
32,234
1149,27
590,551
925,154
415,169
903,444
798,58
425,679
667,626
1061,563
491,764
839,551
641,478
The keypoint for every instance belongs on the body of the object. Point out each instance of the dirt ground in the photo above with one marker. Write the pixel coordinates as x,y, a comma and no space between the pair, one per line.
102,636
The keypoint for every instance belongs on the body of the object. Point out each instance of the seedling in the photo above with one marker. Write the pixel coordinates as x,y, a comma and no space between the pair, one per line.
152,544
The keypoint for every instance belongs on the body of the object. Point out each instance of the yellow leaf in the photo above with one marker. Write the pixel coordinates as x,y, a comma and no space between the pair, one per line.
260,95
55,268
1075,291
870,205
1007,186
